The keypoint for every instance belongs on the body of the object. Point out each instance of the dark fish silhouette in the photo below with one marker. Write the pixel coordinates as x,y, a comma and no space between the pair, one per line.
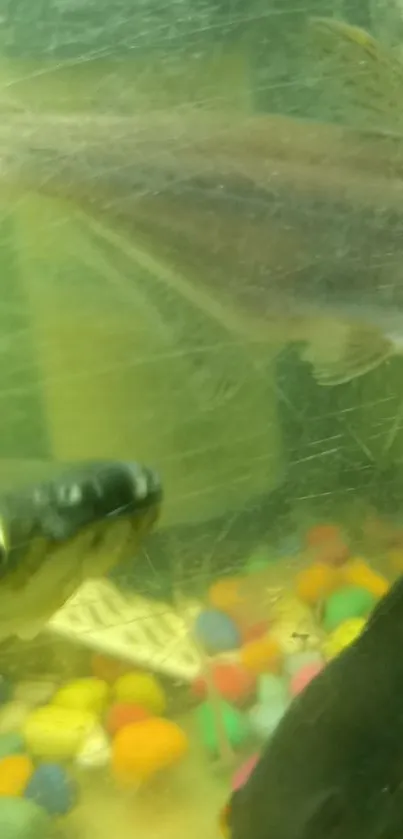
334,767
57,533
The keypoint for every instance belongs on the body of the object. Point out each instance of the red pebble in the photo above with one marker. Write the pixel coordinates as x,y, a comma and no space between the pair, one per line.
322,534
301,679
107,668
255,631
328,545
231,681
124,713
333,553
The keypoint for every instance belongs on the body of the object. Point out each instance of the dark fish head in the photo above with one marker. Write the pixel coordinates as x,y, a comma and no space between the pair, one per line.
58,533
95,494
334,766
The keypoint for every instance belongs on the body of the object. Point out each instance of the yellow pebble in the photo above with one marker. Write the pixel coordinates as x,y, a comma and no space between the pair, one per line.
83,695
295,636
15,772
357,573
142,689
289,608
343,636
262,655
53,733
226,595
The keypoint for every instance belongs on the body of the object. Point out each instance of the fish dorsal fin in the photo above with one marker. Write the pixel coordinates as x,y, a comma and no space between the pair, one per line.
216,360
363,77
340,352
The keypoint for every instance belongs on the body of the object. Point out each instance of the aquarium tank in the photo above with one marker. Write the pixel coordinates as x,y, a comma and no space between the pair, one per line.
201,425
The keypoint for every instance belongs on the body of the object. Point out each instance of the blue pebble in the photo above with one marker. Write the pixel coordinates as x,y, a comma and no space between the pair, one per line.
52,789
272,689
264,719
11,743
216,631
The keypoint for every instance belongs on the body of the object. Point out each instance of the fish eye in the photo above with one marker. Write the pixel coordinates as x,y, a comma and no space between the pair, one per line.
146,482
69,495
141,486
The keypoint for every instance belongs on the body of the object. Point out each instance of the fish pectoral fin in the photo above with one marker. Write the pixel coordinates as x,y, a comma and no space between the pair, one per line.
341,352
31,631
57,528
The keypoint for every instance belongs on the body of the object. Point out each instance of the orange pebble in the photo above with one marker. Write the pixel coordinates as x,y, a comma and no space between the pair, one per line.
316,582
358,573
15,772
107,668
261,656
141,749
225,595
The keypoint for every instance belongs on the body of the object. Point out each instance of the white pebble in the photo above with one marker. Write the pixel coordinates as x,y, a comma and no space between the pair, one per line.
264,719
13,716
95,751
272,690
34,693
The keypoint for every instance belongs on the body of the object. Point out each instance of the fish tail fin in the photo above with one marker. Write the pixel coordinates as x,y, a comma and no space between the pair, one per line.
340,352
365,76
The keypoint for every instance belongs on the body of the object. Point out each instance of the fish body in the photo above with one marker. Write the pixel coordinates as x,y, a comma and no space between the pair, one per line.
334,766
56,534
283,231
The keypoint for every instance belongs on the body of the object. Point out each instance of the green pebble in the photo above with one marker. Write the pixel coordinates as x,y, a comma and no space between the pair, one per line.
258,561
272,690
235,725
11,743
348,602
22,819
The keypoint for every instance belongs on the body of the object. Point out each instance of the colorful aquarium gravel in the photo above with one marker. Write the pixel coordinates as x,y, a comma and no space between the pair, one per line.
116,724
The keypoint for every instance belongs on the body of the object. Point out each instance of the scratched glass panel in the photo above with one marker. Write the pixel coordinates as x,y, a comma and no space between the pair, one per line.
201,424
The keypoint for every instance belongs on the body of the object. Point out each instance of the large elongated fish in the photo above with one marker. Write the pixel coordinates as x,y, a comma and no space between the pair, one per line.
280,230
54,534
334,767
